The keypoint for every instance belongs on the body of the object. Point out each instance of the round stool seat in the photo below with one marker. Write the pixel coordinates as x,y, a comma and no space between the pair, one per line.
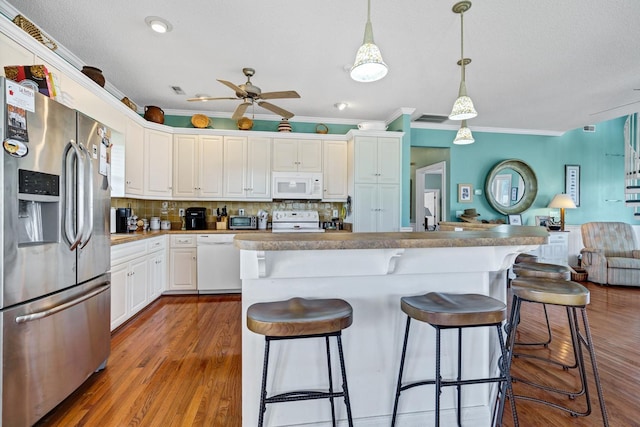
523,257
539,269
454,310
299,317
550,291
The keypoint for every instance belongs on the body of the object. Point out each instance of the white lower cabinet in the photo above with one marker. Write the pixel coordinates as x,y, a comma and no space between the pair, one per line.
556,251
182,263
138,275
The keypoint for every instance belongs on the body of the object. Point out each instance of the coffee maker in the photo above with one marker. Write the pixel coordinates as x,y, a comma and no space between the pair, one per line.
122,220
196,219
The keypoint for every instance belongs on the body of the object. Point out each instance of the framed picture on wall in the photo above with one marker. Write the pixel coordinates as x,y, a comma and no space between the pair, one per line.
514,194
542,221
465,193
515,219
572,182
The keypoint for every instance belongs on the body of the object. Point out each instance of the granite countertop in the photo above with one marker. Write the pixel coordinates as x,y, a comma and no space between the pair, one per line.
119,238
502,235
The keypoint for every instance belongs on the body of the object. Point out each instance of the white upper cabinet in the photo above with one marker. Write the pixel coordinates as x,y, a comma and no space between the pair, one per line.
158,149
197,166
377,160
134,159
297,155
335,171
247,168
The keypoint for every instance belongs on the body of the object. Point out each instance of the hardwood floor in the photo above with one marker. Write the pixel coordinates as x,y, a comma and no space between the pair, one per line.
178,363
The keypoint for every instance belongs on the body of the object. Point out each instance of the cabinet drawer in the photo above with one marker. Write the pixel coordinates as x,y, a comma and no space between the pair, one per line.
127,251
156,244
183,241
558,237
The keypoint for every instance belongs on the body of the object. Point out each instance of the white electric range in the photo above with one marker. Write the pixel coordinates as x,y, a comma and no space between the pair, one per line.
296,221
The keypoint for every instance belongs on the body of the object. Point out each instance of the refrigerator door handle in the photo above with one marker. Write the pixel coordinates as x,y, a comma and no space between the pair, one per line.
71,157
51,311
87,184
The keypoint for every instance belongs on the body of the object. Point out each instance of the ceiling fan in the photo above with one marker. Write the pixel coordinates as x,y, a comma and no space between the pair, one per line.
249,94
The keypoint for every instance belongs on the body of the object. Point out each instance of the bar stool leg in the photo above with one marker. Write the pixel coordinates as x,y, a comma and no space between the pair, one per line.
263,392
345,389
438,377
594,366
505,390
459,386
398,387
333,409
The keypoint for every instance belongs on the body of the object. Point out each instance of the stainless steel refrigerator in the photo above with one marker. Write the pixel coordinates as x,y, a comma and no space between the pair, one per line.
55,280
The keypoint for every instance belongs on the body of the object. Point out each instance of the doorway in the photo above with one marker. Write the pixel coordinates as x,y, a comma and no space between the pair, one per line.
430,186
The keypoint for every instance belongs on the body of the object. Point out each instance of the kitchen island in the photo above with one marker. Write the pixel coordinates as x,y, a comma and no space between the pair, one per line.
372,271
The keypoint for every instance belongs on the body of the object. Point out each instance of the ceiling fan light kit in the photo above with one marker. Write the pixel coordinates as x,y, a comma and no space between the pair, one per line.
463,108
368,66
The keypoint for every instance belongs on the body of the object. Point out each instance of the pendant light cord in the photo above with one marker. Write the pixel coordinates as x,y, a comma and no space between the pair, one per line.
368,10
462,44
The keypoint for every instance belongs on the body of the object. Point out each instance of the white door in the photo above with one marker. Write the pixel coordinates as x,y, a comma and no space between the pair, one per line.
210,166
309,155
134,159
388,206
389,160
285,155
158,149
259,168
430,201
365,208
235,156
185,154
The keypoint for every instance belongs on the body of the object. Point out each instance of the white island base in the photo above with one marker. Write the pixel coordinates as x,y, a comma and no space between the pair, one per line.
372,281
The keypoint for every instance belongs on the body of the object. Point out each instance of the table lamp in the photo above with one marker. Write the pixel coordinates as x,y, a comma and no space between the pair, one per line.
427,214
562,202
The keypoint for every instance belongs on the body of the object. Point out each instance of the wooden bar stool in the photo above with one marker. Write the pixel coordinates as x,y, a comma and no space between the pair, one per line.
299,318
457,311
575,298
529,268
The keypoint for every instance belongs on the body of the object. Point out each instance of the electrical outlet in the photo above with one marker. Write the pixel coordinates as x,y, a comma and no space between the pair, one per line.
335,213
181,212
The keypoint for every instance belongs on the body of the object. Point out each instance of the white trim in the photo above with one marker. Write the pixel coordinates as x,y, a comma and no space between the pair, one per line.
437,126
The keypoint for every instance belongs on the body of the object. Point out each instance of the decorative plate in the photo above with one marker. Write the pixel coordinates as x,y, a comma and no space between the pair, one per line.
200,121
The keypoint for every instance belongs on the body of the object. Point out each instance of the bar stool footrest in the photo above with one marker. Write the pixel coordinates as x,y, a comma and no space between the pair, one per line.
555,405
294,396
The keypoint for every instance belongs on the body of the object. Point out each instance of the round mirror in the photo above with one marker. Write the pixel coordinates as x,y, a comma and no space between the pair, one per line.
511,187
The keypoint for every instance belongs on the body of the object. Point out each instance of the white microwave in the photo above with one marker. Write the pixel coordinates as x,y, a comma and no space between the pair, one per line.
296,185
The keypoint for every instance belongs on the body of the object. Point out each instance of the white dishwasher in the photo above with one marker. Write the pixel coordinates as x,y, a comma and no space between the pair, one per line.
218,264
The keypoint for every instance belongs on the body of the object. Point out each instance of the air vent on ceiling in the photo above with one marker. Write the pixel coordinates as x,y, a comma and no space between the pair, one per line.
589,128
432,118
178,90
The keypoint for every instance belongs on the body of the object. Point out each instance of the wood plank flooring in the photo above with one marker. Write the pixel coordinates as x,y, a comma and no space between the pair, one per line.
178,363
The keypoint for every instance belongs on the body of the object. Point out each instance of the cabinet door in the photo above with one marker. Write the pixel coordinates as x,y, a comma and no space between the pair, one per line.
182,269
365,208
158,148
366,159
285,155
134,159
335,171
138,277
210,166
157,274
258,168
185,154
388,205
309,155
388,160
235,156
119,276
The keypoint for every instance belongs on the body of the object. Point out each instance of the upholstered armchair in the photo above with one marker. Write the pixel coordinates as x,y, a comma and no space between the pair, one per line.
611,254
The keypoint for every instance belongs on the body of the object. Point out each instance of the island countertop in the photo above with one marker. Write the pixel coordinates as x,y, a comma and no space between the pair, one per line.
503,235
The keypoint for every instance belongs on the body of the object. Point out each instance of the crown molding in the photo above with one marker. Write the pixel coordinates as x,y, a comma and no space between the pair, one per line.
488,129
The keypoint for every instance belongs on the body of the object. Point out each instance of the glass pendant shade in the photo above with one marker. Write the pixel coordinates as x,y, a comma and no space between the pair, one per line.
464,136
463,108
368,66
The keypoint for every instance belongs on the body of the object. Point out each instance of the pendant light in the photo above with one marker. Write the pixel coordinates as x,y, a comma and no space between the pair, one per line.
368,66
464,136
463,107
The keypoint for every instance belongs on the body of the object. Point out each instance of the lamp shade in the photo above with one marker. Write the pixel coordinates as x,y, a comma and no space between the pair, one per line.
463,108
464,136
562,201
368,66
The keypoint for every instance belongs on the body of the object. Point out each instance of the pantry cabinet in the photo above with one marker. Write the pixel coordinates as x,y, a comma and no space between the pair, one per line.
247,168
297,155
377,160
197,166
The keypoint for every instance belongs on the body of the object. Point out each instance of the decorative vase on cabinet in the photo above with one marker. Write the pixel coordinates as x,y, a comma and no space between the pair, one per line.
94,74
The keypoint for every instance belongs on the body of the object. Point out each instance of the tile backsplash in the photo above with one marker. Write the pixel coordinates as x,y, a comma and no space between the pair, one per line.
169,209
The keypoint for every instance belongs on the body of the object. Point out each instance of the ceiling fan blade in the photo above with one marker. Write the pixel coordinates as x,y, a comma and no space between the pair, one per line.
240,110
236,89
274,108
208,98
280,95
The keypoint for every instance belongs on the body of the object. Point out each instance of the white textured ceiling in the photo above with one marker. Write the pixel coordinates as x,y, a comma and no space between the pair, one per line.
543,65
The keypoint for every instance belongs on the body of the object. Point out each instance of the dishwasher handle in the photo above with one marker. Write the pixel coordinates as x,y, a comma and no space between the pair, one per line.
46,313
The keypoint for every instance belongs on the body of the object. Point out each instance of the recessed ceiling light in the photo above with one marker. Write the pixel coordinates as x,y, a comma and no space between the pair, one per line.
341,105
157,24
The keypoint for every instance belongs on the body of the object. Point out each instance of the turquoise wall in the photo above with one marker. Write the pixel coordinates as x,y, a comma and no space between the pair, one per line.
600,155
